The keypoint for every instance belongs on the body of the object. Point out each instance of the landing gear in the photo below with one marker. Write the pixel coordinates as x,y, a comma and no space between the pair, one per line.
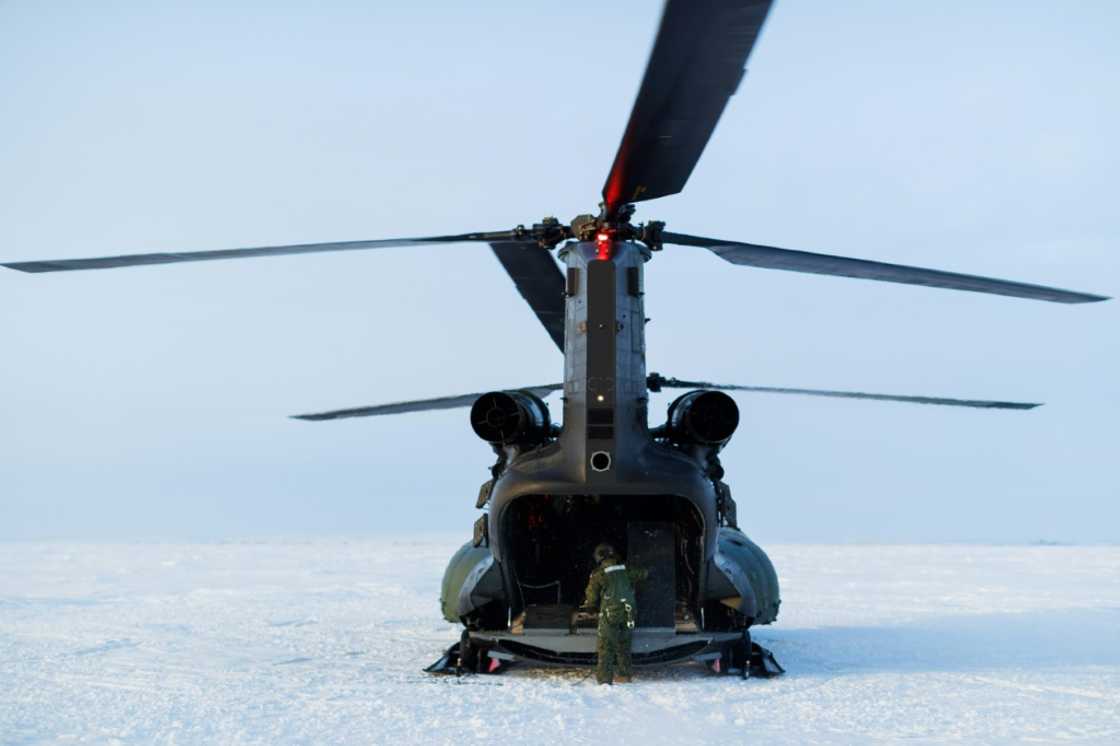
747,659
467,656
760,661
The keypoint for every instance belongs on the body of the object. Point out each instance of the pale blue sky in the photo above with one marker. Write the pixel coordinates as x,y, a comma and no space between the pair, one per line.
151,402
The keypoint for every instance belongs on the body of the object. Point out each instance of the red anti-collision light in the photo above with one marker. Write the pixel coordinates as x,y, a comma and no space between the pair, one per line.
603,246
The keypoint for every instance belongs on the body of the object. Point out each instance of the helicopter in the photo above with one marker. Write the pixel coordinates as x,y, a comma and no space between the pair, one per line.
605,474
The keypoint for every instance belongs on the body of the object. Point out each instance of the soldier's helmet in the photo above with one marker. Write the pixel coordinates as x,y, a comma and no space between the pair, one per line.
604,551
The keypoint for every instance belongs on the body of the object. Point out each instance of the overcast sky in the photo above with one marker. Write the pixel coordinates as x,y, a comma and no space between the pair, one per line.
151,403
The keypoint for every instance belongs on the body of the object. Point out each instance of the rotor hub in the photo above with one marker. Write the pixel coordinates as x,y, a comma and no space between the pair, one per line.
603,229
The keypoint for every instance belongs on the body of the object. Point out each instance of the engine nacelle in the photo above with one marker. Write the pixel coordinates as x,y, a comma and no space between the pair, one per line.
706,417
511,417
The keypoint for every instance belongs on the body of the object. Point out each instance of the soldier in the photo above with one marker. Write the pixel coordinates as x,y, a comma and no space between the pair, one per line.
611,591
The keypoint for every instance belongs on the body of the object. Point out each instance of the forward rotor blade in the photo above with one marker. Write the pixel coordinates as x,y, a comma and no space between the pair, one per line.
770,257
133,260
419,405
695,66
539,280
657,383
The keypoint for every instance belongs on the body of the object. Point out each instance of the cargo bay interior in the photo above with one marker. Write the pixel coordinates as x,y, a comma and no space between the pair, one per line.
551,539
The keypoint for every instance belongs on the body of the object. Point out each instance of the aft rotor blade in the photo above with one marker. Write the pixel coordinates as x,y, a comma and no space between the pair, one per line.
770,257
696,64
538,279
657,383
133,260
419,405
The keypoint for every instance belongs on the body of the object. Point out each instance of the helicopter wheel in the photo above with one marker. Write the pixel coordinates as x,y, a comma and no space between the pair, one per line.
743,655
468,654
734,658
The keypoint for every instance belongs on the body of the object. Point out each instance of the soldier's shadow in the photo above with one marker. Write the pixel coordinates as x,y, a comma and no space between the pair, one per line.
964,642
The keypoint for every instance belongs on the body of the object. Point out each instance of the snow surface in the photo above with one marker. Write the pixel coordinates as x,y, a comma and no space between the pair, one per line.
323,641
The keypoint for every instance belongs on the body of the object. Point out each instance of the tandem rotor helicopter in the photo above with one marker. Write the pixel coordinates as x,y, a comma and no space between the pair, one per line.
604,474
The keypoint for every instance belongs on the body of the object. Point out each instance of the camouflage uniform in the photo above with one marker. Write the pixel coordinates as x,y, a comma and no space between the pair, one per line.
611,590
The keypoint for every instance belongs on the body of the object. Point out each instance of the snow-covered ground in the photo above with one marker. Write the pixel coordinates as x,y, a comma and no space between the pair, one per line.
323,641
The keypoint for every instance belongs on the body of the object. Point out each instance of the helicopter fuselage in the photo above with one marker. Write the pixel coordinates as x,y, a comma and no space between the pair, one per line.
607,477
